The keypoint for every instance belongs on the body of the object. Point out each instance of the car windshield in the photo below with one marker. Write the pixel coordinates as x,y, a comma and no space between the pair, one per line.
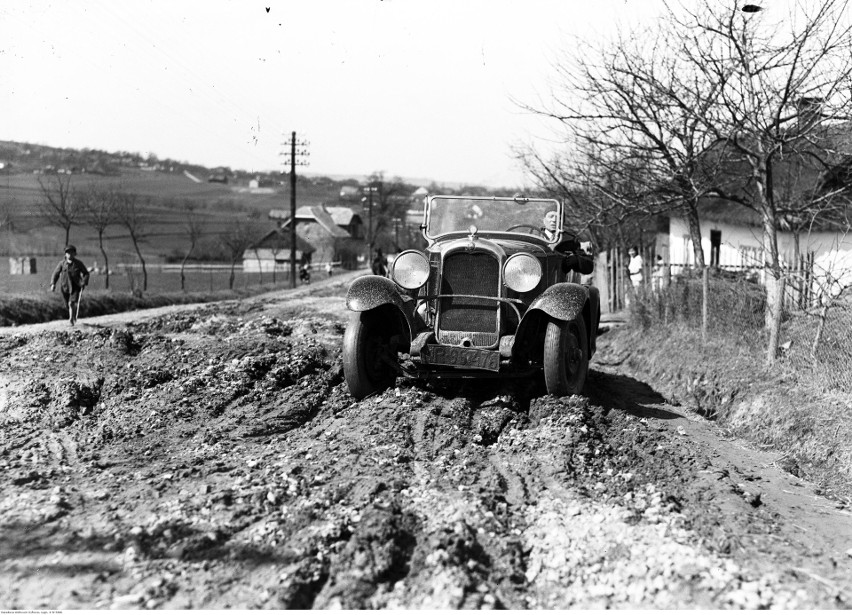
489,214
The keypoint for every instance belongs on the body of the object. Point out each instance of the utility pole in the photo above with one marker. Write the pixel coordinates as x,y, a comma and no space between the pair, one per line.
294,161
370,188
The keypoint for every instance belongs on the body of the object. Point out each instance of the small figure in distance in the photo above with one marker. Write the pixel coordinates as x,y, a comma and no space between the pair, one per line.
305,274
658,274
73,277
329,268
380,263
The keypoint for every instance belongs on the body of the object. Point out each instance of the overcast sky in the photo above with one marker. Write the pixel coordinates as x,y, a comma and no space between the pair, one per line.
412,88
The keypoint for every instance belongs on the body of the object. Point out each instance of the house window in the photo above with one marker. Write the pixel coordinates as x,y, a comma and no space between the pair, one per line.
715,247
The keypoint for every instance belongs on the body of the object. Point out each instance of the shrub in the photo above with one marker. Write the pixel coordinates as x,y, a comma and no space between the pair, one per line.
735,308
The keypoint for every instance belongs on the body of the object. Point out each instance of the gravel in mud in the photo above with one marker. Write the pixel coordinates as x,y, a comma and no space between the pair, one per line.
213,458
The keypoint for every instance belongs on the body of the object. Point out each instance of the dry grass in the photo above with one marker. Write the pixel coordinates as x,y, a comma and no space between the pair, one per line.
802,407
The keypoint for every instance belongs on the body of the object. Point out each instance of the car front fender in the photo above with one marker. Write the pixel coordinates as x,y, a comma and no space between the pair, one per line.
563,301
371,291
377,294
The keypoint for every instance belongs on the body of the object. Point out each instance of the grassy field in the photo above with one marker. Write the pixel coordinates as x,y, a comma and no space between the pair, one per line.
219,205
125,279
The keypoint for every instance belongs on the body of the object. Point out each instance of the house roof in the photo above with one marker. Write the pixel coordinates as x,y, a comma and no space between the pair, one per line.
811,167
279,241
311,213
721,210
325,220
342,216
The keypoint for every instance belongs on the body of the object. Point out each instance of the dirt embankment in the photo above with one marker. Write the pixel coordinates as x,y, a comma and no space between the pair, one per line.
212,458
782,409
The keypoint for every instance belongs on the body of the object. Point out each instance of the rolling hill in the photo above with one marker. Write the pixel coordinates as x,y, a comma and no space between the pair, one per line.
164,188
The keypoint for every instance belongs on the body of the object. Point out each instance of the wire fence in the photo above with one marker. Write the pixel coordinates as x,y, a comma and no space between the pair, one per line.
814,337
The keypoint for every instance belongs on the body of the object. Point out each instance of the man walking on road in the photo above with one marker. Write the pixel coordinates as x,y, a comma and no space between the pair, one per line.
73,277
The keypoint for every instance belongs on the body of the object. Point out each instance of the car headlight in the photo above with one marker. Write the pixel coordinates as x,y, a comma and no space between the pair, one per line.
522,272
410,270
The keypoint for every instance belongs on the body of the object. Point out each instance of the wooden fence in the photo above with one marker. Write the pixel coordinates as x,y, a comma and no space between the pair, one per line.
612,280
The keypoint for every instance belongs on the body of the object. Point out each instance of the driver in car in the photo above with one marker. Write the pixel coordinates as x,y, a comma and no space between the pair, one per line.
551,225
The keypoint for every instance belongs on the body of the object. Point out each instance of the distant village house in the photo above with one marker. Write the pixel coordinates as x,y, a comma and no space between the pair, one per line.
272,253
336,232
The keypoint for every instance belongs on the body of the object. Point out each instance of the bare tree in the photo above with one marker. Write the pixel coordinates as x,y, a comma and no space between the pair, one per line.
277,244
58,204
237,239
714,106
7,223
596,210
193,229
391,199
5,215
781,83
131,215
98,210
630,109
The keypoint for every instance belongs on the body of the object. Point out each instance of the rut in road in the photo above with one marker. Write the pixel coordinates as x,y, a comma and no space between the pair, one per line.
225,445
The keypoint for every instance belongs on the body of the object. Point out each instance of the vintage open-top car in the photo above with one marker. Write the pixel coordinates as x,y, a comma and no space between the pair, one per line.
494,294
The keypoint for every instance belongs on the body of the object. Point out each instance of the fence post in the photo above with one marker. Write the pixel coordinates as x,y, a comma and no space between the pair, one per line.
705,292
810,274
610,279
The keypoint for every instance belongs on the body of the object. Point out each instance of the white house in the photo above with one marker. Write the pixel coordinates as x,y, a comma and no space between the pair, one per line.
732,238
335,232
272,253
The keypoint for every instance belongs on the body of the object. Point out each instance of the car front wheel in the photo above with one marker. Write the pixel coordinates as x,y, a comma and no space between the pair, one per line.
566,357
367,350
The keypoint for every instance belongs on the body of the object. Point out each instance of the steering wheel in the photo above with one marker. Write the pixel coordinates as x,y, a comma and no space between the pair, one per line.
536,229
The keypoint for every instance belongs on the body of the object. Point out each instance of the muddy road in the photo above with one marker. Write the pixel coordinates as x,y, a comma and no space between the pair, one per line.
211,457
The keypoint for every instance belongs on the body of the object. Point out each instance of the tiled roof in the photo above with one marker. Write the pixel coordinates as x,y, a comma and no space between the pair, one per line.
281,240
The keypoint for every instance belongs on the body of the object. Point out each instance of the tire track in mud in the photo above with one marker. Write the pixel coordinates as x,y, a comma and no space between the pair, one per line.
224,464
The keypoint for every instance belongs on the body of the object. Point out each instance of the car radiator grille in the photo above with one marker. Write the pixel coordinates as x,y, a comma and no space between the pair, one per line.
464,317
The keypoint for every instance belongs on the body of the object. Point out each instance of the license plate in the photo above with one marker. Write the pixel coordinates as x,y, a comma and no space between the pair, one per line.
473,358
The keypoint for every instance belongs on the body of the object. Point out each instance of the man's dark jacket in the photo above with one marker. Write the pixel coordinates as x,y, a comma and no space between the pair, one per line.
71,275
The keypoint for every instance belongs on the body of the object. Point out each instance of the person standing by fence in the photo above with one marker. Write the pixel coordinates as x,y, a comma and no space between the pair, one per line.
634,274
634,267
73,277
660,275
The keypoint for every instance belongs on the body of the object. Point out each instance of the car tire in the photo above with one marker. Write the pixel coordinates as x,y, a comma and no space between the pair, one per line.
365,370
566,357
